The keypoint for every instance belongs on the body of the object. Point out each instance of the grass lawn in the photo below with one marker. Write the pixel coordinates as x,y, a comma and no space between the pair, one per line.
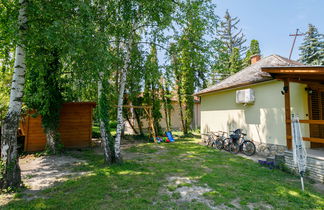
163,176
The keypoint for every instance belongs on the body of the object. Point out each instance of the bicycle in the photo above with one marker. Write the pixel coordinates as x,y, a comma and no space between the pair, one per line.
219,142
212,136
239,143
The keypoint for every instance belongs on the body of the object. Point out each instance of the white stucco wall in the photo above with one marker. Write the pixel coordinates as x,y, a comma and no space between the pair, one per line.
264,121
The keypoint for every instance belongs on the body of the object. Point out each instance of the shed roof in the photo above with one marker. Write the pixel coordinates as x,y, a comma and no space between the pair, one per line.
251,74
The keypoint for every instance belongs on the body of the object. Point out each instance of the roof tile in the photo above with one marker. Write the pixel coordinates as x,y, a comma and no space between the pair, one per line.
251,74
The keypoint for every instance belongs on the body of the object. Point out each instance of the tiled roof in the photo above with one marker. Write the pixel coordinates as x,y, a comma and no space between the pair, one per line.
251,74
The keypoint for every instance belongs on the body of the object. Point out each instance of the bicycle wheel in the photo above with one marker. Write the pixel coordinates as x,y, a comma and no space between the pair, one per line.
219,143
248,148
226,144
209,141
234,148
213,145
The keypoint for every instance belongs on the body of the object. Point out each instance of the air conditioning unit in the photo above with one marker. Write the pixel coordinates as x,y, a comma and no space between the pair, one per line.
245,96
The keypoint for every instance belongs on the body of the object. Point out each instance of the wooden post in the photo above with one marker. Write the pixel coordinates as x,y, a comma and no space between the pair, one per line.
148,111
149,114
287,113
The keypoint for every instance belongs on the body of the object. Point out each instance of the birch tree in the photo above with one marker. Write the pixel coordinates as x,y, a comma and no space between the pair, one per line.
120,120
103,115
135,17
10,171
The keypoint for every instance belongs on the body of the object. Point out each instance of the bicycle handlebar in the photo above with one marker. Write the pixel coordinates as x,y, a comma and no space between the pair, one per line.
222,131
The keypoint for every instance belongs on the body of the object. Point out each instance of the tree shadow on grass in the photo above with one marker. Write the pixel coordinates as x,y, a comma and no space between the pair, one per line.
190,135
104,185
136,184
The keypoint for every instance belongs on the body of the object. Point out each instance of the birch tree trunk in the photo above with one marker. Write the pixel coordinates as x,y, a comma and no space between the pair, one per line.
120,101
10,171
104,124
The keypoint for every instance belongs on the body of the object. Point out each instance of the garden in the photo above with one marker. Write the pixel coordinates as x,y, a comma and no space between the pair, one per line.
179,175
135,64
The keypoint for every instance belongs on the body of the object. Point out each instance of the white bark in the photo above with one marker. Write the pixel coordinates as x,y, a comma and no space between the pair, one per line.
11,174
120,100
103,131
18,81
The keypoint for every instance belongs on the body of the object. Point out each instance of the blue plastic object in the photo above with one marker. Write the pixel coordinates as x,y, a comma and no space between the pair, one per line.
269,164
169,135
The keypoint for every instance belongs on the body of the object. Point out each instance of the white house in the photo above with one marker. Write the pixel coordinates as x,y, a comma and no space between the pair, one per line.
280,87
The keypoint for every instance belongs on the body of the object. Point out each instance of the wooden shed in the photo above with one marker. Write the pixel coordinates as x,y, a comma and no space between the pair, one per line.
75,127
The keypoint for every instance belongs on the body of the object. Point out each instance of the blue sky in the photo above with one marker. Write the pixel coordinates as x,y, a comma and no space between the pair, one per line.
271,21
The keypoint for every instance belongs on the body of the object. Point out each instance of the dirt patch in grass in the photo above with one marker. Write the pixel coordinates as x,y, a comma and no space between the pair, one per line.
236,204
260,205
39,173
184,189
5,198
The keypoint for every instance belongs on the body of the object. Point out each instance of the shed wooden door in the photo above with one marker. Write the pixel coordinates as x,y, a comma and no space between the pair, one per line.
316,113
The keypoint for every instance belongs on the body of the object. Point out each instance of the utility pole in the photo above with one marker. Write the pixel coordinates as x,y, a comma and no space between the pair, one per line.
295,36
